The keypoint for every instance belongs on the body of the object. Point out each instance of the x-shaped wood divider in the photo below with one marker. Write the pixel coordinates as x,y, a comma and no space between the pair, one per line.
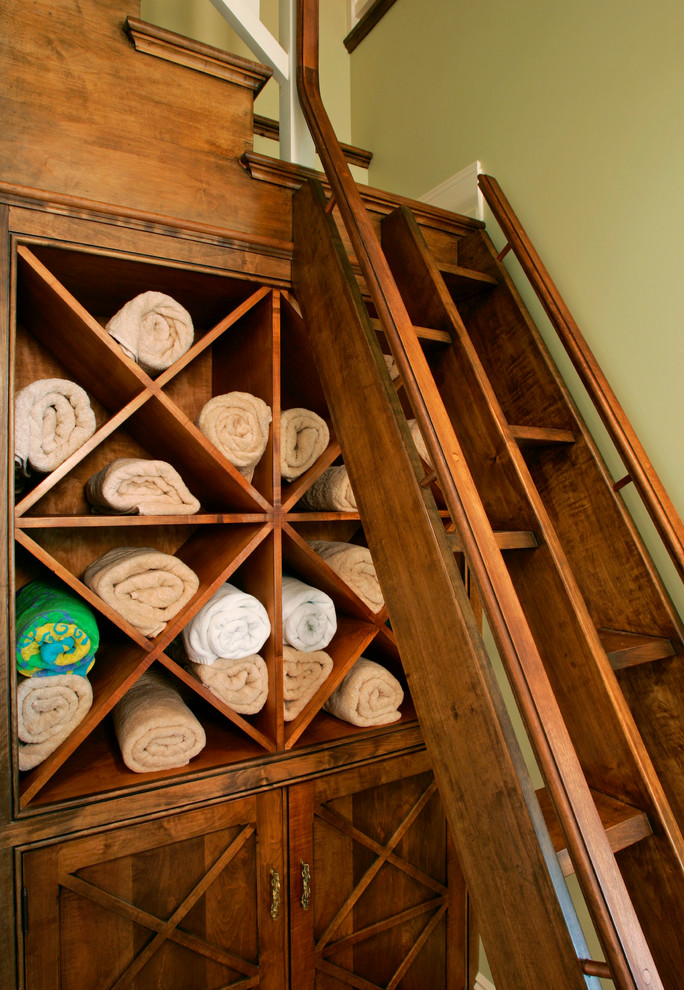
169,929
384,854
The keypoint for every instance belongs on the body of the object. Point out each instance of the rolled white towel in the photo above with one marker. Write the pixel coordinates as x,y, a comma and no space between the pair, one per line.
303,438
140,485
231,625
303,674
309,620
238,424
154,727
355,566
48,710
240,684
367,695
52,419
332,492
145,586
152,329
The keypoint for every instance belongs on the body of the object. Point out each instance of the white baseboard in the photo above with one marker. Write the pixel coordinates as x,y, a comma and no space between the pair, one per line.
460,193
482,983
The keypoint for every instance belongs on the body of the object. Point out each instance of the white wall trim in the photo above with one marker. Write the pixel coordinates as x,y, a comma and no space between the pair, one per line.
459,193
482,983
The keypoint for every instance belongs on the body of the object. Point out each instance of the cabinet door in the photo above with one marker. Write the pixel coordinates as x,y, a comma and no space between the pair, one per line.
379,901
180,902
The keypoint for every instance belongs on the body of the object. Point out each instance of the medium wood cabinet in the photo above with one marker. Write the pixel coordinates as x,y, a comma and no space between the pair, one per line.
210,898
194,878
178,903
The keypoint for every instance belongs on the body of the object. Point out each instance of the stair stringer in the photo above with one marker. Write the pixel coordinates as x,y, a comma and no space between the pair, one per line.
467,730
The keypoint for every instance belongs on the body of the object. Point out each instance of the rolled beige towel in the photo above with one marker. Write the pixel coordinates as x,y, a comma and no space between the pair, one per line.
152,329
303,438
332,492
52,419
237,423
368,695
142,486
240,684
418,440
303,674
145,586
309,619
154,727
355,566
48,710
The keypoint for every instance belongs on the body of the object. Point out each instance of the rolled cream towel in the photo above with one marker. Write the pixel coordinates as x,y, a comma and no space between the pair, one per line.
154,727
418,440
303,438
332,492
240,684
231,625
391,366
145,586
238,424
303,674
48,711
368,695
309,620
140,485
152,329
52,419
355,566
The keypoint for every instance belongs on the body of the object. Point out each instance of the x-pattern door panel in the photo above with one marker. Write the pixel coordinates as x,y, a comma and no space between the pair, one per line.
375,848
178,902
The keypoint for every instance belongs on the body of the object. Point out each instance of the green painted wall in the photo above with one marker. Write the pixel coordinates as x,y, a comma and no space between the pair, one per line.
578,110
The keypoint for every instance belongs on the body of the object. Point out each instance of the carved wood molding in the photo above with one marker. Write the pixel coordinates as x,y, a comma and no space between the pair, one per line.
293,176
196,55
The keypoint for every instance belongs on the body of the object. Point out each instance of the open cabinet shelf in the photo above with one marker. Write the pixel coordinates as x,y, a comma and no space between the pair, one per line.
248,338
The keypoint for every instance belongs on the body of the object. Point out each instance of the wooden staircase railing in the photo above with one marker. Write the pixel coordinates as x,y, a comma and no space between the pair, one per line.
628,956
639,469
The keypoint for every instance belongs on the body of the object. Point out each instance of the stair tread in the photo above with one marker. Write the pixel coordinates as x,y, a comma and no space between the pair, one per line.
505,539
423,333
627,649
623,823
463,282
541,436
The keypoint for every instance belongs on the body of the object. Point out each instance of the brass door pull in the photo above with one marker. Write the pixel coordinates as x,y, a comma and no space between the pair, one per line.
275,894
306,885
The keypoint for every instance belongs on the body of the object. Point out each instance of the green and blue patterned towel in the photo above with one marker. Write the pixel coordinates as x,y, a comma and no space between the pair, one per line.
56,631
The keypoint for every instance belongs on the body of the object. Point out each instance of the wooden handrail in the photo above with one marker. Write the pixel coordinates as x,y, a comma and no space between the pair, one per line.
623,941
639,468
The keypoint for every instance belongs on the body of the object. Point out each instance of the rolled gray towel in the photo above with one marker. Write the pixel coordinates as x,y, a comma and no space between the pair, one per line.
332,492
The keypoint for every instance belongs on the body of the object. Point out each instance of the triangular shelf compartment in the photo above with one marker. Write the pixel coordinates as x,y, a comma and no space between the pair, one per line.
240,356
